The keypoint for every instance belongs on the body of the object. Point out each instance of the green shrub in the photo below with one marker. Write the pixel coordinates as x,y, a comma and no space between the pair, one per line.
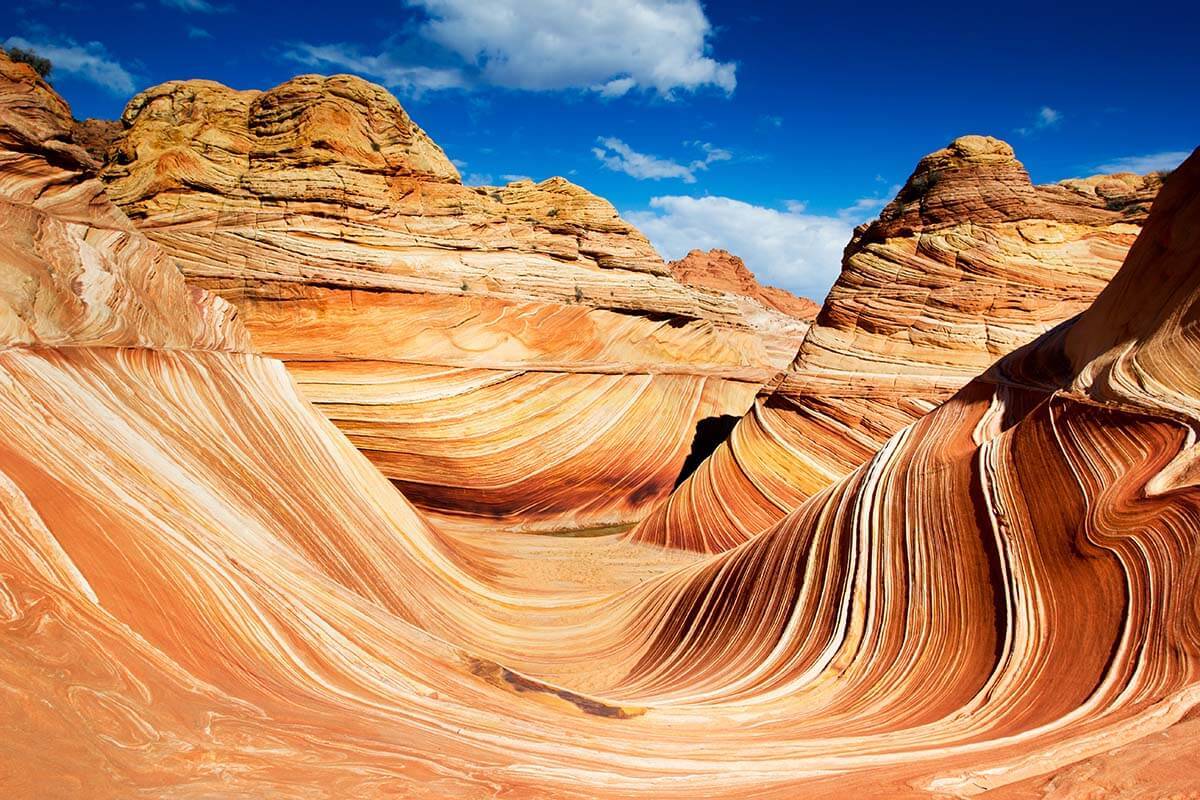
41,65
918,186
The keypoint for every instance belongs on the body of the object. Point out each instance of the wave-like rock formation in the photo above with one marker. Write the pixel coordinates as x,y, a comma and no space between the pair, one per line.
207,591
499,352
722,271
970,261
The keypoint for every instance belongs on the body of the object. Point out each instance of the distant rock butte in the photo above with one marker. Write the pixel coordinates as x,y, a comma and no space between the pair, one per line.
722,271
969,262
499,352
96,136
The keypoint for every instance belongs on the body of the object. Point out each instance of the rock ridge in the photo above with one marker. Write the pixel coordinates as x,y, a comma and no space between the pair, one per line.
969,262
352,250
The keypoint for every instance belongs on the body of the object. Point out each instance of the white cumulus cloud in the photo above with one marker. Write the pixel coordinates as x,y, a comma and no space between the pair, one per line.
1151,162
382,67
195,6
616,87
1046,117
90,62
616,155
790,248
609,46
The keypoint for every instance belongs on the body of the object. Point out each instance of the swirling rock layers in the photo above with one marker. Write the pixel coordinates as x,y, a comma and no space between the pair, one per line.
969,262
495,350
207,591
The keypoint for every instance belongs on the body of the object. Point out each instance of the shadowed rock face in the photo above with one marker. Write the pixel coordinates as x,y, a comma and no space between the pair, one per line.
969,262
96,136
514,354
207,591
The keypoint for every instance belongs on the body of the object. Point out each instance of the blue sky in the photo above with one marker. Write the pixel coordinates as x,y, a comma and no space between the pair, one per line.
767,128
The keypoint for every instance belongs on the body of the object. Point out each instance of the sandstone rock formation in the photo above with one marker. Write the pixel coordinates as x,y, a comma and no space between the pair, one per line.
96,136
722,271
515,354
153,475
207,591
970,261
76,272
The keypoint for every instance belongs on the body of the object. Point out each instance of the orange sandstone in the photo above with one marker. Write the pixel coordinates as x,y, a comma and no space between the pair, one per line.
206,590
969,262
722,271
518,355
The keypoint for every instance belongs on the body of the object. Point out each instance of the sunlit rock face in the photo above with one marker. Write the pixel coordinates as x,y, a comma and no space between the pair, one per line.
76,272
970,261
207,591
516,354
722,271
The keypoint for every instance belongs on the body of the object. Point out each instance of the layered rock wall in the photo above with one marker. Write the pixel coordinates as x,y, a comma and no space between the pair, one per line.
207,591
970,261
499,352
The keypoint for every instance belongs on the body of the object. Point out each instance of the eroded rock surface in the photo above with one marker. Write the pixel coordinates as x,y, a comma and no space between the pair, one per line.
96,136
207,591
969,262
722,271
517,354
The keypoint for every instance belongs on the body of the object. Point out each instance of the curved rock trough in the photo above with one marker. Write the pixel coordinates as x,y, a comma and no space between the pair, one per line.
207,589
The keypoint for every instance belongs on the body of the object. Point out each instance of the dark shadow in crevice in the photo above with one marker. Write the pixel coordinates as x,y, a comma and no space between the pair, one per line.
710,432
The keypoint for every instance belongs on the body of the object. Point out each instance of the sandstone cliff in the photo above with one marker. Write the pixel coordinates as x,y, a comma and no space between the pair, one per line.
499,352
167,501
970,261
76,271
